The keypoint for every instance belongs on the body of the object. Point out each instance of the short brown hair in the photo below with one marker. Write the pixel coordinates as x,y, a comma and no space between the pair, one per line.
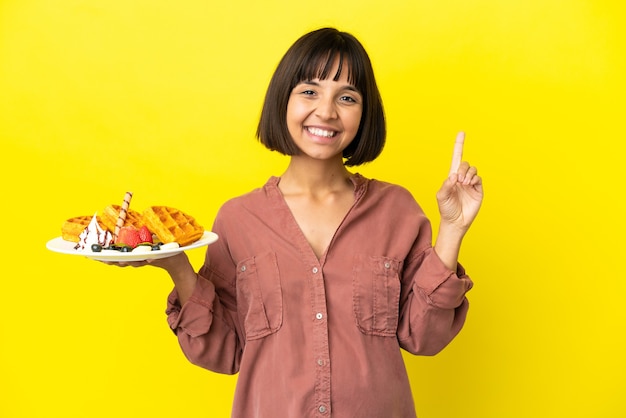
311,57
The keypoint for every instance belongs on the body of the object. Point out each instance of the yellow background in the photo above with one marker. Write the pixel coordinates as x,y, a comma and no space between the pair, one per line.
162,98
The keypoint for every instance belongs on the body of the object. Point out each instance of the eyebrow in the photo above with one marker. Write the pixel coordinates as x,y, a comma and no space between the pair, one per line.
349,87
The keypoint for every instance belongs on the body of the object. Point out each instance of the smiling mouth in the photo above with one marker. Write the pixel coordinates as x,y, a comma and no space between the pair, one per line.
321,132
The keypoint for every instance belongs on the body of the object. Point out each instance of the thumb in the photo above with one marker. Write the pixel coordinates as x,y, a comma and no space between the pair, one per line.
447,187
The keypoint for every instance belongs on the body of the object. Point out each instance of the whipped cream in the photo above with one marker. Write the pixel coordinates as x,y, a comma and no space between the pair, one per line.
93,234
142,249
170,246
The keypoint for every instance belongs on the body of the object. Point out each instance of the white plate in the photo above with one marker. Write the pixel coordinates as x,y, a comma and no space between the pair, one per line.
59,245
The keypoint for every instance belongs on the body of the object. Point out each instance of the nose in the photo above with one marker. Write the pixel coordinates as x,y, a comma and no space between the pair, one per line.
326,109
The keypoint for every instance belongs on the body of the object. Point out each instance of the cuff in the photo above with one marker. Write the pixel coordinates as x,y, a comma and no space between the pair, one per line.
196,315
441,286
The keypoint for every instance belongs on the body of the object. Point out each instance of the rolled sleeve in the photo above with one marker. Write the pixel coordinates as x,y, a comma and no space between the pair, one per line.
196,316
205,330
434,308
440,286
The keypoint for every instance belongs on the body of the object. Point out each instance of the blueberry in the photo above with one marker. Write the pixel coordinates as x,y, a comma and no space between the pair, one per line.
156,247
126,249
96,248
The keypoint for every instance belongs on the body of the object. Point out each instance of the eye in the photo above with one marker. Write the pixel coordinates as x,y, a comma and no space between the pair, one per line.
350,99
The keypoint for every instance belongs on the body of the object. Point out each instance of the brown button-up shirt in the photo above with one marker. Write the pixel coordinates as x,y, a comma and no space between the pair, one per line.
320,337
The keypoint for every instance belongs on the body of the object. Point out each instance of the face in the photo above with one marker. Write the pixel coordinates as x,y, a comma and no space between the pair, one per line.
323,116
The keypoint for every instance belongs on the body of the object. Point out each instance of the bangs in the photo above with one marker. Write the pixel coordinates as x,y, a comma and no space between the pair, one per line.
319,64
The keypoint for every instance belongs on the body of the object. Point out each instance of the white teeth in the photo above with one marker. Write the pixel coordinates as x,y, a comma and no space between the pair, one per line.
321,132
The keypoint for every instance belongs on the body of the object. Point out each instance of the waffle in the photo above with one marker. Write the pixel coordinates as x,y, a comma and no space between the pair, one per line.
172,225
72,228
111,213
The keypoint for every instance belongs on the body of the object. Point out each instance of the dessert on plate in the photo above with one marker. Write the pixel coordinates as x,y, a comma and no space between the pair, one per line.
119,228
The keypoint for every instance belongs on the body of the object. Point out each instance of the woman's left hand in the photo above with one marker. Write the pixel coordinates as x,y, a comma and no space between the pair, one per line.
461,195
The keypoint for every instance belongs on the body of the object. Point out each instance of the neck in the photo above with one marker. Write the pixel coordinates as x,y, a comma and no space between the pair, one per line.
309,176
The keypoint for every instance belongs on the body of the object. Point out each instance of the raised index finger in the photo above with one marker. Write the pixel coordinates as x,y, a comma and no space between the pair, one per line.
457,154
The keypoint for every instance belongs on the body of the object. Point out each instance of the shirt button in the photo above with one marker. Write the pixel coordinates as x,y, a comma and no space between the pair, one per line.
322,409
243,268
319,315
387,265
320,362
315,270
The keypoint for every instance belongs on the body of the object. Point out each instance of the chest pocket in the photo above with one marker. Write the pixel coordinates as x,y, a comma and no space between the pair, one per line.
376,294
259,295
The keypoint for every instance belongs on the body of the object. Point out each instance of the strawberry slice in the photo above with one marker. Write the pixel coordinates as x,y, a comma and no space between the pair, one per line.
145,235
129,235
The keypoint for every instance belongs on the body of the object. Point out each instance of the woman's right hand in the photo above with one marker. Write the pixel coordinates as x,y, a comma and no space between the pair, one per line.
173,263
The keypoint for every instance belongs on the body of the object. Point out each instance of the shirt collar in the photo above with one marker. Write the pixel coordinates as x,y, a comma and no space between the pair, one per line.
358,181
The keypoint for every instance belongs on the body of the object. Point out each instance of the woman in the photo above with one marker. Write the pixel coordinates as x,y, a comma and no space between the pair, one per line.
321,276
